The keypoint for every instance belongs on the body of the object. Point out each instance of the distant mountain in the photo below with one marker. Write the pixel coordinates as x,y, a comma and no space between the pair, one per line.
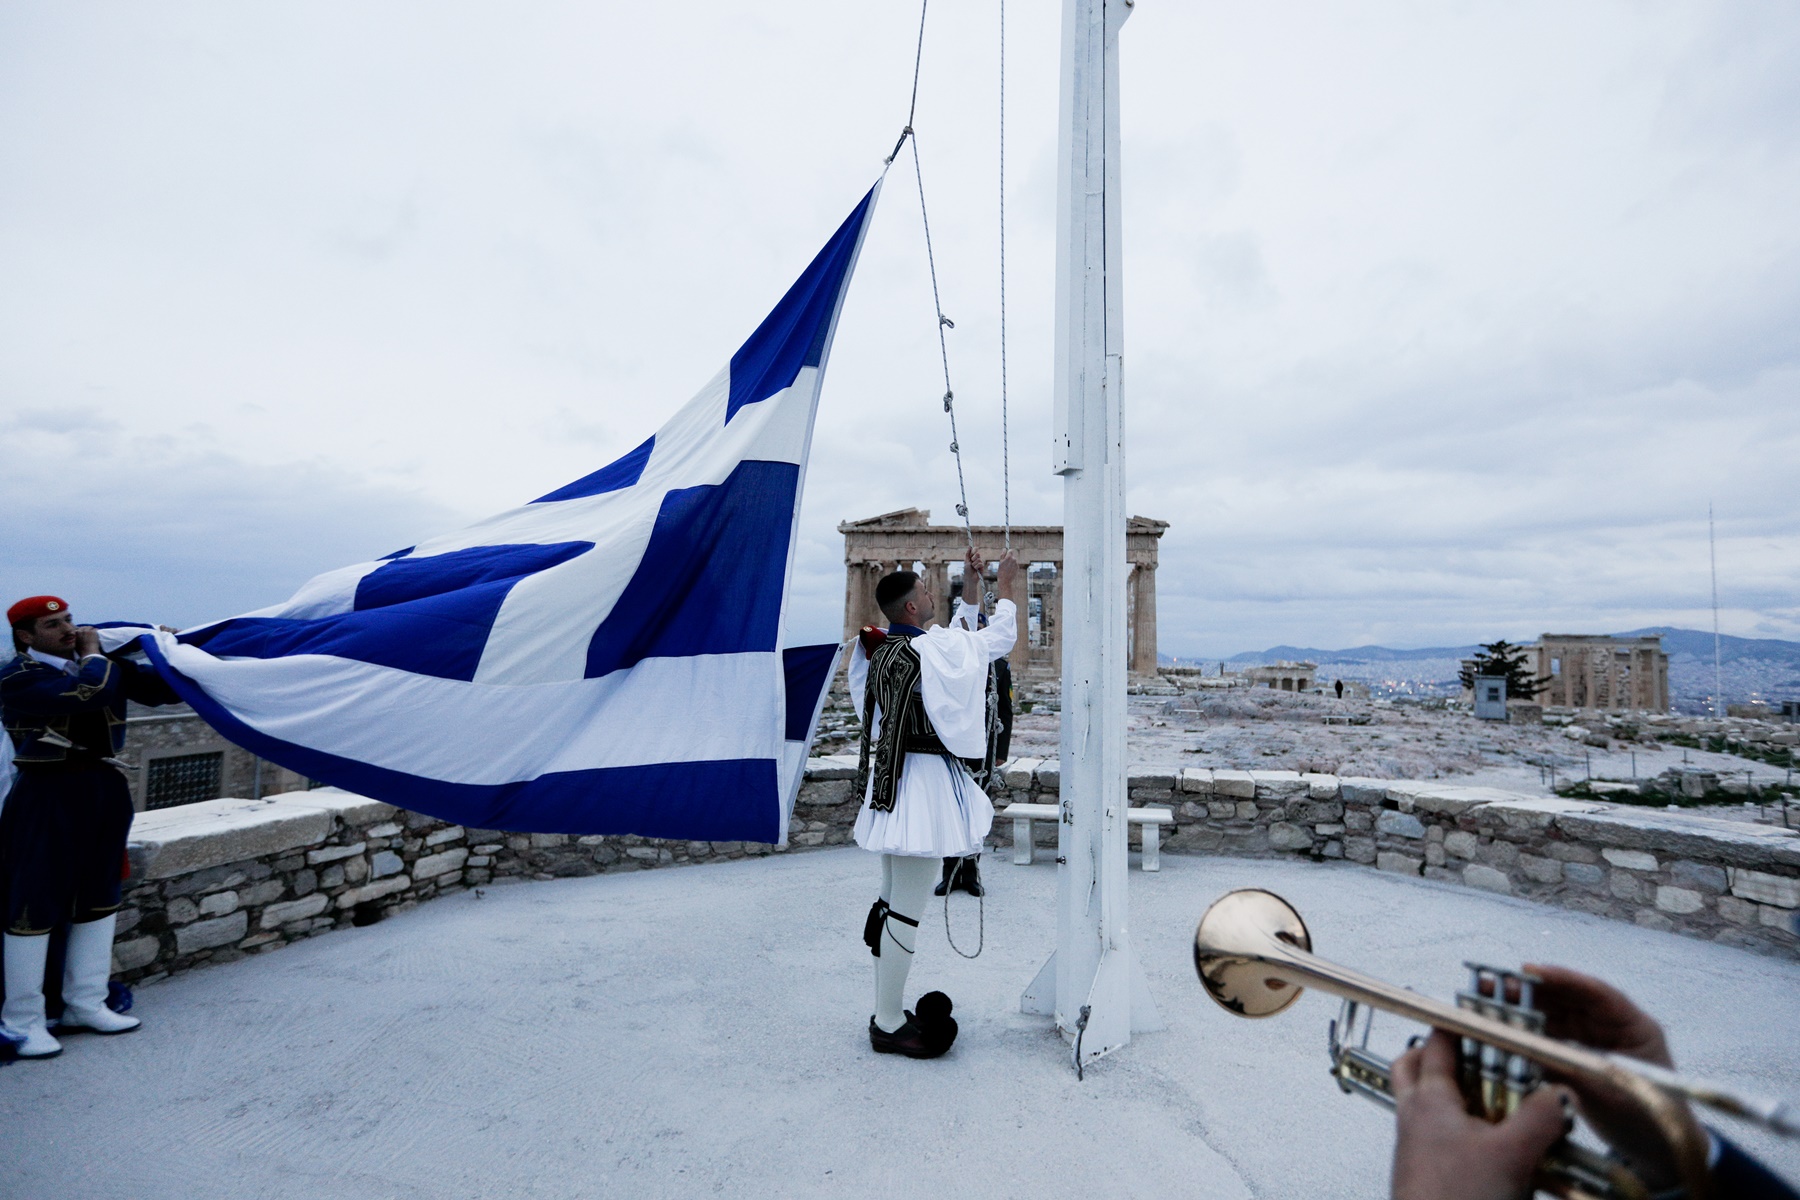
1752,668
1354,654
1731,649
1679,643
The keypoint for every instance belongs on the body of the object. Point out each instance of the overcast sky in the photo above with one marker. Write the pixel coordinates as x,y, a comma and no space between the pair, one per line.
1443,322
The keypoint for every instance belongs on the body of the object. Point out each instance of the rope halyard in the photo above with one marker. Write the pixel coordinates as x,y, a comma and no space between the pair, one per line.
908,133
912,109
943,323
1005,430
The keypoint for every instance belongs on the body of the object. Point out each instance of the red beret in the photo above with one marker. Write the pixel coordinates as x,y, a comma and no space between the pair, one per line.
33,607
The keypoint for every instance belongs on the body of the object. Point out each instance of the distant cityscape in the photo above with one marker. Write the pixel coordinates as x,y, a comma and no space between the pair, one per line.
1751,669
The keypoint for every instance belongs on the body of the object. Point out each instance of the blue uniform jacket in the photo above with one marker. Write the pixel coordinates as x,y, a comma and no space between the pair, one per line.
1737,1176
43,707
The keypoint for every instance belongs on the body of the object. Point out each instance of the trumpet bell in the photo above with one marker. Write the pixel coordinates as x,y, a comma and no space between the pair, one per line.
1239,982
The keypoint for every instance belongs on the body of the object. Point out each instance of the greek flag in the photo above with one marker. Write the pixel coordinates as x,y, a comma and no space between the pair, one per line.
604,659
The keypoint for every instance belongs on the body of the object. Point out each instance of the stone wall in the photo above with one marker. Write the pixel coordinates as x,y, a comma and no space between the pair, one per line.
1728,881
215,881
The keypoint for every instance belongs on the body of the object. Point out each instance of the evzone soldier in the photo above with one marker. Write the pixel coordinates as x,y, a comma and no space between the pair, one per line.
63,830
928,707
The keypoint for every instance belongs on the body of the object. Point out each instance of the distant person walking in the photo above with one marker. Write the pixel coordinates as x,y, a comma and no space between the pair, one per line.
1339,685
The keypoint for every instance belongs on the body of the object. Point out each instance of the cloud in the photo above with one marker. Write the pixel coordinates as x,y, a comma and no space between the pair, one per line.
174,531
1440,323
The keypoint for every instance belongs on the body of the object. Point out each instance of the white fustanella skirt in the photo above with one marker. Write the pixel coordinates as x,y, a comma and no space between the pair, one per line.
939,813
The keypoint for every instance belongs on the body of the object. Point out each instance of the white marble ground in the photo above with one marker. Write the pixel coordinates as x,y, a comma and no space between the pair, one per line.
700,1031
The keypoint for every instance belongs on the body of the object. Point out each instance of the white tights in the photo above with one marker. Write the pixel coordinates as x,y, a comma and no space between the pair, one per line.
905,883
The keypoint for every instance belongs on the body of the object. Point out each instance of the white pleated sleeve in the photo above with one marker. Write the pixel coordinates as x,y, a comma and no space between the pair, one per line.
953,681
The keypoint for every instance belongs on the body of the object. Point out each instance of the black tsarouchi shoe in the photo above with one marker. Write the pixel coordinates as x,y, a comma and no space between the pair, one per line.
909,1040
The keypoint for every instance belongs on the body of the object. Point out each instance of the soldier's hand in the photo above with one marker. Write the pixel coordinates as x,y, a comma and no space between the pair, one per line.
87,641
1009,570
975,572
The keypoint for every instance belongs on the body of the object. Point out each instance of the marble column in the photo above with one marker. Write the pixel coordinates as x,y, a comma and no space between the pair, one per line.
1053,621
937,578
858,597
1020,658
1143,620
866,576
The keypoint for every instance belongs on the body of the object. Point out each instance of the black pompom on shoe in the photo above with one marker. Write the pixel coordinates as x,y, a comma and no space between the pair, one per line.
936,1025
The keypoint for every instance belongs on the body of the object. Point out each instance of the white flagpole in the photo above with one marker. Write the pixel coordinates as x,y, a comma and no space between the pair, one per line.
1091,984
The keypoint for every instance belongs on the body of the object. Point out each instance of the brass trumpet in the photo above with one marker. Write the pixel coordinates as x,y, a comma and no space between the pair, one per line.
1254,956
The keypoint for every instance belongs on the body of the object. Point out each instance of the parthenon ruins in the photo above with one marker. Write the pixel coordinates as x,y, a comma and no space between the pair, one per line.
907,539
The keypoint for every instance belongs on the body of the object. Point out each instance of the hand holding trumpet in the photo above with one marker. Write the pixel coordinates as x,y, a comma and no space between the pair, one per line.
1474,1120
1441,1151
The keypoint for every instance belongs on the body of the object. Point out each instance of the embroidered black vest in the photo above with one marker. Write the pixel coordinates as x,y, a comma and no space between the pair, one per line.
893,684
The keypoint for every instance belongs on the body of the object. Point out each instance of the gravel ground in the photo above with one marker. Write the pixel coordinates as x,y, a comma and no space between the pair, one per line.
1248,729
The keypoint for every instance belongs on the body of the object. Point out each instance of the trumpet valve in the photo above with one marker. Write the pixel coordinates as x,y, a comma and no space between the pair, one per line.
1495,1081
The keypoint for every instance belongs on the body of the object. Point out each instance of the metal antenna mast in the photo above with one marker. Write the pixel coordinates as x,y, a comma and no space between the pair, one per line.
1092,984
1712,554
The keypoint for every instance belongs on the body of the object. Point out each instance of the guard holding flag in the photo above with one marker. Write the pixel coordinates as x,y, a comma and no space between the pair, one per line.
63,829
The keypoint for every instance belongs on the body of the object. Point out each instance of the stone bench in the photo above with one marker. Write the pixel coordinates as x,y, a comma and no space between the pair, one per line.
1152,820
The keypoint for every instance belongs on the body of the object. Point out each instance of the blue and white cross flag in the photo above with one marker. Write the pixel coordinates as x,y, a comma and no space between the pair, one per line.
604,659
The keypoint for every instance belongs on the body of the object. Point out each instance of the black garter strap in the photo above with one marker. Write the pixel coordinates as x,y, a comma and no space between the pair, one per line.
891,915
879,912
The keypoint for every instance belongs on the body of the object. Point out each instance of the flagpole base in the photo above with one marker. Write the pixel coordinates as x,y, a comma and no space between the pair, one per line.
1119,1003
